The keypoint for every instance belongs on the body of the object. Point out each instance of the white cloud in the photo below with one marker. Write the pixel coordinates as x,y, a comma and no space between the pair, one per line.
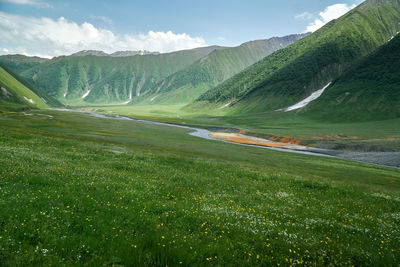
48,37
330,13
37,3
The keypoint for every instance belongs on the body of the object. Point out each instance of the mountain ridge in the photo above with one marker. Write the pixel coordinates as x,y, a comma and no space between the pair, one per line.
292,73
99,53
88,78
217,66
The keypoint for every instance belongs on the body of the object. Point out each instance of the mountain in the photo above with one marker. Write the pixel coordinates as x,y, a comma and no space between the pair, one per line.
189,83
369,90
49,100
103,79
179,77
133,53
293,73
14,95
84,53
20,63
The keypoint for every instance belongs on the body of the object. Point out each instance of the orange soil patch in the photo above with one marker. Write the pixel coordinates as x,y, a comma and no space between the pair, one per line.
287,140
290,140
274,138
249,140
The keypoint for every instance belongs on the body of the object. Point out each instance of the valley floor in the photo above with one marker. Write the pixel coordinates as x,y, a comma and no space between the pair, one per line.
76,189
376,142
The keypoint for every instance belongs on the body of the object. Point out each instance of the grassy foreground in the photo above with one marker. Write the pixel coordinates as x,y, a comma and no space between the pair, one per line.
81,190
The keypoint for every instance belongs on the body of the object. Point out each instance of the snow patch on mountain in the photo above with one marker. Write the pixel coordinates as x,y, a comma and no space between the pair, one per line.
226,105
86,94
307,100
29,100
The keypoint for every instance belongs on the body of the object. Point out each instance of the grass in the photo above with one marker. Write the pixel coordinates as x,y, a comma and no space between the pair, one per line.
81,190
380,135
20,93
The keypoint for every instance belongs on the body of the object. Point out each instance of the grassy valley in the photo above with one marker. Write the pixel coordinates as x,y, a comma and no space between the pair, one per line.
154,195
82,185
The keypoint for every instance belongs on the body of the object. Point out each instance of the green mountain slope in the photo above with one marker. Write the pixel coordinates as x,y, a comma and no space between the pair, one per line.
49,100
293,73
369,90
14,95
93,79
20,63
188,84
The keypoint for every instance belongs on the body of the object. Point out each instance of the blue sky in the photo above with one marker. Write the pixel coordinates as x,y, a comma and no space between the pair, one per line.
206,22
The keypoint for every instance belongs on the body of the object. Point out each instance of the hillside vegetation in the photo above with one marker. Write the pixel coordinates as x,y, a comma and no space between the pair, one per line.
178,77
73,79
49,100
293,73
186,85
14,95
368,90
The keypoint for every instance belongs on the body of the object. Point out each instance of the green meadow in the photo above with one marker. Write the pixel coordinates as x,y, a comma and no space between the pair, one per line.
80,190
377,135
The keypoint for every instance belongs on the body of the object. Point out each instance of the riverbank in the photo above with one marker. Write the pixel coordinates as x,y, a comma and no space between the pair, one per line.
389,159
250,140
291,145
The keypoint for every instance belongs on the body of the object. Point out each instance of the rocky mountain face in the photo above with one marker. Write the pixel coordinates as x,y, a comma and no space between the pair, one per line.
133,53
89,53
115,54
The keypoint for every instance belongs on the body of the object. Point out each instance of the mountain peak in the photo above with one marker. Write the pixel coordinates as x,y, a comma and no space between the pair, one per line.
115,54
129,53
89,53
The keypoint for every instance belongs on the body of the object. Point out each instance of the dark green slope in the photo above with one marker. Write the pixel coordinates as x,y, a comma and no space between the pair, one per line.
51,101
108,79
14,95
293,73
189,83
370,90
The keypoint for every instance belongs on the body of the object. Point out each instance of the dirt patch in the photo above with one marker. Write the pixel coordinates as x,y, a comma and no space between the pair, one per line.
290,140
250,140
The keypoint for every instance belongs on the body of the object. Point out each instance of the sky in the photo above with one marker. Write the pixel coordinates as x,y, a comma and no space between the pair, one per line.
50,28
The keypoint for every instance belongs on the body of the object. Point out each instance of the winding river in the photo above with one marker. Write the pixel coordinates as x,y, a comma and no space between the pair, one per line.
205,134
386,159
